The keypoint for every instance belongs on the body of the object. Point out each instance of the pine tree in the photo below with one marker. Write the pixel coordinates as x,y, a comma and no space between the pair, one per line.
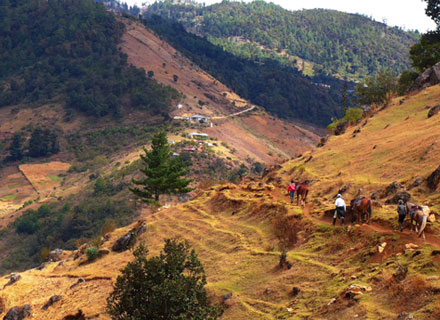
169,286
162,172
16,147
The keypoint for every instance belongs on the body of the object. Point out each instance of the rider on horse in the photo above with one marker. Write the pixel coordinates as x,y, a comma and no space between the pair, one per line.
340,209
402,212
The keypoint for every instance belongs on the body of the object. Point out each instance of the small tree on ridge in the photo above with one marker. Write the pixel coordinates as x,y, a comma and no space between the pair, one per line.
162,172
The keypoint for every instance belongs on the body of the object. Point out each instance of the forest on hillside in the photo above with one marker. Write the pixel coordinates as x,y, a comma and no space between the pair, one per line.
336,43
282,90
66,51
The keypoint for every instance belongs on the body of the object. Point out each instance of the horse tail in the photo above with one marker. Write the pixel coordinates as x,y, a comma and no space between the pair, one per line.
422,227
369,208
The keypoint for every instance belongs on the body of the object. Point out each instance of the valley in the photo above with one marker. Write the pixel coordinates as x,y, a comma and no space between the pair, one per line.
78,114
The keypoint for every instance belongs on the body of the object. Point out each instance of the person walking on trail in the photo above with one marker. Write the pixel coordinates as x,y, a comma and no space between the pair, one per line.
291,190
340,209
402,212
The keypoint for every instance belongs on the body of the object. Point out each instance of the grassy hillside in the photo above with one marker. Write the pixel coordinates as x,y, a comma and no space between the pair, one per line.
240,230
333,42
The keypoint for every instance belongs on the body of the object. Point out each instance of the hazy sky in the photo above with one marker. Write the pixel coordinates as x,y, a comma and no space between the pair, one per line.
409,14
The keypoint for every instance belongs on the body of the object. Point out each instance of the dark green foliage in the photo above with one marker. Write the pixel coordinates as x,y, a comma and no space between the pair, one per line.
280,89
433,10
59,225
92,253
162,173
169,286
16,147
27,223
103,186
336,42
406,79
426,53
89,145
376,90
67,49
43,143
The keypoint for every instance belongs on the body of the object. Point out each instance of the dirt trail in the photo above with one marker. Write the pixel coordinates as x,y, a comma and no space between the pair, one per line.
405,236
234,114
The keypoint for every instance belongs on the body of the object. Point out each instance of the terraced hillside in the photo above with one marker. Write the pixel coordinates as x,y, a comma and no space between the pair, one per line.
240,230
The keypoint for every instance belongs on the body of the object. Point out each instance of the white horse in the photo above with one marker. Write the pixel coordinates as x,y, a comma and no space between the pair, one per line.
420,215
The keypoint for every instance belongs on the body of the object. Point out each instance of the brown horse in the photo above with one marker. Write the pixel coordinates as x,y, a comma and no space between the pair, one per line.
361,208
302,190
419,214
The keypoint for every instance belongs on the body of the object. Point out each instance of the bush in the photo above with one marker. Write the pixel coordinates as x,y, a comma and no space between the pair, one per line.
405,81
172,283
353,115
376,90
92,253
27,224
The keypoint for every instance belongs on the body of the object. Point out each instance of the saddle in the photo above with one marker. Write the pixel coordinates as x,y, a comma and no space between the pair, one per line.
357,202
414,209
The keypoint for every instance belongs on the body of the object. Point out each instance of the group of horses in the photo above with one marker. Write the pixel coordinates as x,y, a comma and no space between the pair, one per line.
361,208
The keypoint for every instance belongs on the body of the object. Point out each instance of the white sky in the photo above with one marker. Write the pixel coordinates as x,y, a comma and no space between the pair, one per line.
409,14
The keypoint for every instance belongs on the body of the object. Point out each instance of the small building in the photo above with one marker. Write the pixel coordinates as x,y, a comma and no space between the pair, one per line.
198,135
199,118
174,155
179,106
171,141
189,149
177,118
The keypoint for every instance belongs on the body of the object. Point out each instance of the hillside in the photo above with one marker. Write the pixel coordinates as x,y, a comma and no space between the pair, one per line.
239,231
66,51
315,41
78,164
280,89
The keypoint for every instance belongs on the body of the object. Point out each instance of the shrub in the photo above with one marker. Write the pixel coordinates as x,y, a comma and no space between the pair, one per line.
406,79
92,253
27,224
172,283
353,115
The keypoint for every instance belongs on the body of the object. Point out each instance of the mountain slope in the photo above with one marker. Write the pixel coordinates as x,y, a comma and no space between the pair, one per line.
240,230
279,89
334,42
253,134
66,51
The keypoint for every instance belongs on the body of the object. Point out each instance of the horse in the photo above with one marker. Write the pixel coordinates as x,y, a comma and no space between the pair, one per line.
302,190
419,214
361,208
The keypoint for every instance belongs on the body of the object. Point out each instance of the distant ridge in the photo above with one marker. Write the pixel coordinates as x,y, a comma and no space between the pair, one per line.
332,42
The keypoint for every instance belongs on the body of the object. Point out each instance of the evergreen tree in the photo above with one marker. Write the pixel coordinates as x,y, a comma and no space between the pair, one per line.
426,53
170,286
162,172
16,147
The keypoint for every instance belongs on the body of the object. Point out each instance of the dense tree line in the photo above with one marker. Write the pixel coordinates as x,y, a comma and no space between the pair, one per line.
280,89
67,50
64,225
337,43
42,142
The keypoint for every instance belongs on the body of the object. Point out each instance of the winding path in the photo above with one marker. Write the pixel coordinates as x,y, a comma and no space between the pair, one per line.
234,114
